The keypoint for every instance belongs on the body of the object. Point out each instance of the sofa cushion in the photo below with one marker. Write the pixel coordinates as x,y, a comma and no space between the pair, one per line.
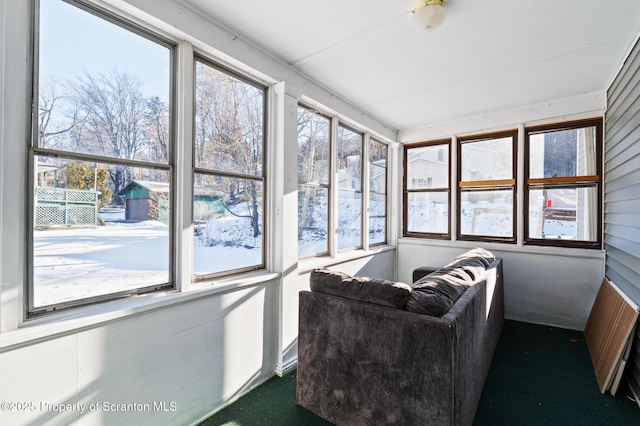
474,262
365,289
436,293
476,257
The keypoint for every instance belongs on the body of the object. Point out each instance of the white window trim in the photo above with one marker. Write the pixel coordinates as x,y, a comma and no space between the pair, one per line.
183,174
366,189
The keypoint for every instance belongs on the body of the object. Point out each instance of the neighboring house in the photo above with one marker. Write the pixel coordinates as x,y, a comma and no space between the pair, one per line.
145,200
433,171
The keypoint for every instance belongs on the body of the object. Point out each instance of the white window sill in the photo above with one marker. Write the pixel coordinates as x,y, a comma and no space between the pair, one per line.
77,319
308,264
507,248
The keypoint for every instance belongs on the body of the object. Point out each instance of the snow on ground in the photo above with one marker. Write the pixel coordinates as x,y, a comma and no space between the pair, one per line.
226,243
560,229
75,263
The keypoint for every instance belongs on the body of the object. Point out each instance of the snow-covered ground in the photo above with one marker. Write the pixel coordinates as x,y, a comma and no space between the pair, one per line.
75,263
486,218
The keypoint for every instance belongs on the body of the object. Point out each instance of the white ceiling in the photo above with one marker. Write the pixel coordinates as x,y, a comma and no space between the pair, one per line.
487,56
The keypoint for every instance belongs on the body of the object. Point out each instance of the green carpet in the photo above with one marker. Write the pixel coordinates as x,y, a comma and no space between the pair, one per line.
272,404
540,375
543,375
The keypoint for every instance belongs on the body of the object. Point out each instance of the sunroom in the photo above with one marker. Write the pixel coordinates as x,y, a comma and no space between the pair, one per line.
276,137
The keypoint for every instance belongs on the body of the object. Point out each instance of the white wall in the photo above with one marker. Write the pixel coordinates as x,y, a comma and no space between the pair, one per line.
195,355
542,285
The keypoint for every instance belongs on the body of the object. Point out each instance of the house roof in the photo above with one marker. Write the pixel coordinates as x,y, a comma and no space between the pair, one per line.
44,167
160,187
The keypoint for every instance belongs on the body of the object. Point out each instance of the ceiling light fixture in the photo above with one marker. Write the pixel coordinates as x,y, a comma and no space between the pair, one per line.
429,14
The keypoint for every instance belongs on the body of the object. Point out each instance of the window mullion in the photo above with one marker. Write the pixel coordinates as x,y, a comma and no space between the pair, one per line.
520,187
365,188
183,166
453,197
394,196
502,183
333,189
566,180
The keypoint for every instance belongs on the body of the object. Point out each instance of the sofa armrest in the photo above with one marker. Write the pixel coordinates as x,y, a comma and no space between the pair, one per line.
478,317
423,271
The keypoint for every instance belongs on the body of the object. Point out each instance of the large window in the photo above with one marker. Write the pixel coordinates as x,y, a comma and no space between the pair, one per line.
100,158
314,130
427,194
104,167
228,181
563,170
487,187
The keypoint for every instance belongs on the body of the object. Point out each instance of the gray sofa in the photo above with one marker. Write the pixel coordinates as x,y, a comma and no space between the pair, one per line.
373,352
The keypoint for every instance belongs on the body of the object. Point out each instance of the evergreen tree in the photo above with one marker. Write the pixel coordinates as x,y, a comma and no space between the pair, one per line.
81,175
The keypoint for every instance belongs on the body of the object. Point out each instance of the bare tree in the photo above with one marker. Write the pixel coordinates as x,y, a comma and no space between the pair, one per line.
313,162
158,117
113,118
229,137
56,116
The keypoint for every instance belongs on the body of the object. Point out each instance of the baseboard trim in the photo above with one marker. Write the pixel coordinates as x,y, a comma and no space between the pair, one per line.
282,369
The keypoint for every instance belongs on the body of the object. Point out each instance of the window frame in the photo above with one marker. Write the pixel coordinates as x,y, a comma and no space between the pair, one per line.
488,185
326,186
385,241
361,191
565,182
262,178
406,191
34,150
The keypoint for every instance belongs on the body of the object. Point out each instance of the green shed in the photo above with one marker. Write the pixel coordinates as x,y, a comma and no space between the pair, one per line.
145,200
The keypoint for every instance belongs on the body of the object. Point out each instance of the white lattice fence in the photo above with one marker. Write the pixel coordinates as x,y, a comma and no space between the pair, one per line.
55,206
47,215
